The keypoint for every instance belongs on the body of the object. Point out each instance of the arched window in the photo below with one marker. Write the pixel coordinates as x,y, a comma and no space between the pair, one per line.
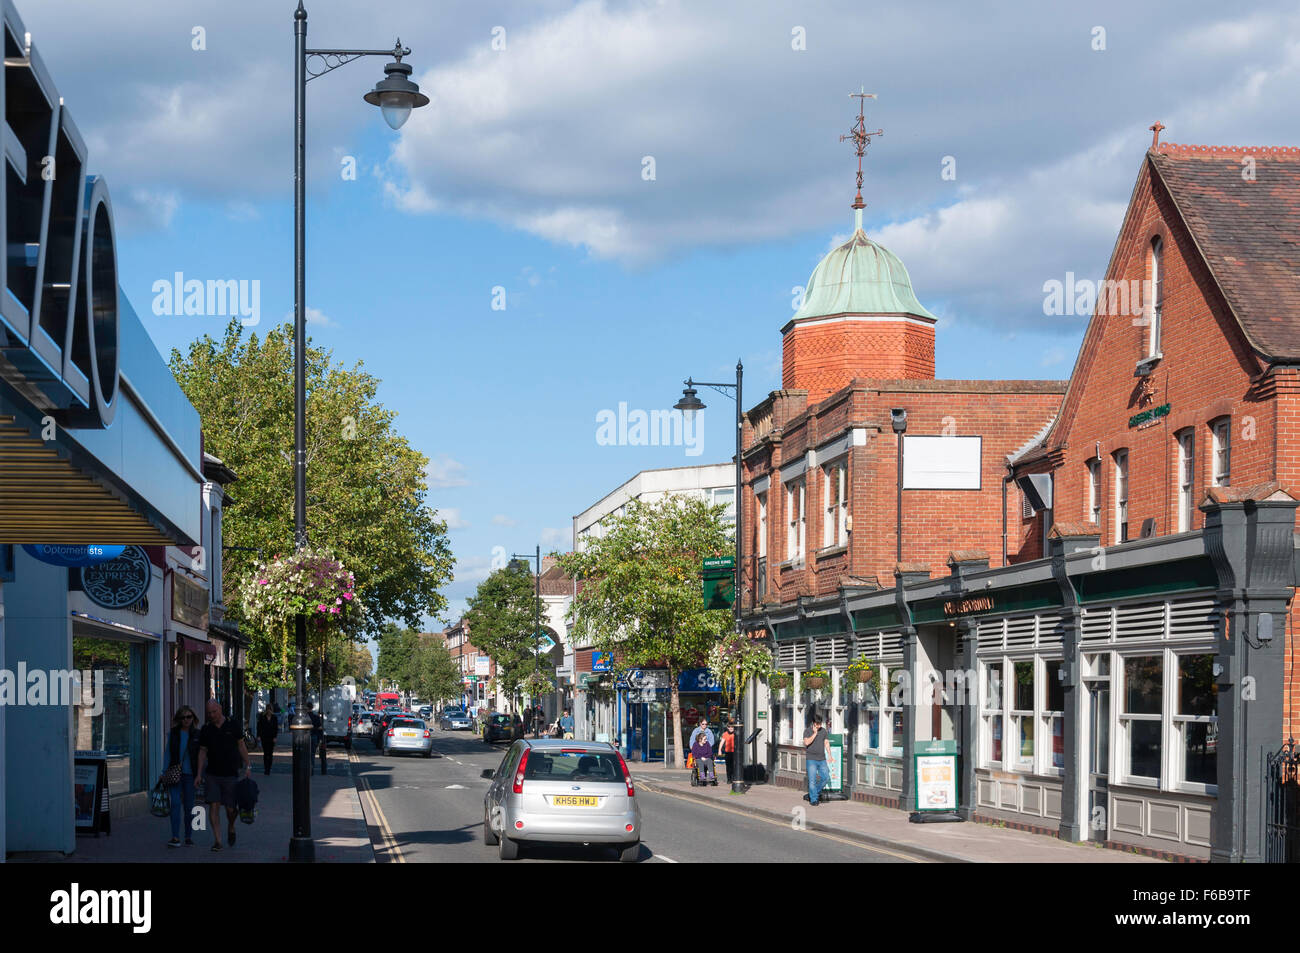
1157,296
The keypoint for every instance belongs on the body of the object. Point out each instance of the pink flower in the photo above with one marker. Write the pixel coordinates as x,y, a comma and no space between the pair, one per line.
263,582
348,596
338,602
335,610
321,607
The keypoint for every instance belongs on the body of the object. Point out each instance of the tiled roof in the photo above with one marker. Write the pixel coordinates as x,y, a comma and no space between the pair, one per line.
1247,231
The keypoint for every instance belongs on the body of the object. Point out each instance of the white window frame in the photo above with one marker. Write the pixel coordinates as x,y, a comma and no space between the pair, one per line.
835,514
890,747
796,519
1177,725
1040,718
1123,737
1017,762
989,712
1094,491
1047,720
1221,451
1186,477
1157,296
1120,462
761,500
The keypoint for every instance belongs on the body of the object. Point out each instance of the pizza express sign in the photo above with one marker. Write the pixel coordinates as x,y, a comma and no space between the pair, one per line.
119,583
58,275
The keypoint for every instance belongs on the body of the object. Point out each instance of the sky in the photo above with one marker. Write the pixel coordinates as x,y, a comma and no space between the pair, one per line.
604,198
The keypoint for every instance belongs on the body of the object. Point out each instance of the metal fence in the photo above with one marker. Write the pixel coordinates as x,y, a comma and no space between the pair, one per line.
1282,822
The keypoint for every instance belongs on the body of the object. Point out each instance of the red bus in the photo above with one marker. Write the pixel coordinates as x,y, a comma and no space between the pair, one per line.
386,699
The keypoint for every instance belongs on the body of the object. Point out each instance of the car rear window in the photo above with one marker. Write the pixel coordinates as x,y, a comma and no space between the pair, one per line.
501,719
407,723
572,765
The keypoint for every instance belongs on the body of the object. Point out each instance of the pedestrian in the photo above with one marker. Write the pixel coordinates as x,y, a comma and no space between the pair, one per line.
267,730
702,751
183,752
727,747
566,725
317,733
819,774
702,727
221,754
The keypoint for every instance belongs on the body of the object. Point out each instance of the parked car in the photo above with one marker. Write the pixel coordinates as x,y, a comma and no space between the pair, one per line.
549,790
426,712
408,734
379,725
497,727
453,718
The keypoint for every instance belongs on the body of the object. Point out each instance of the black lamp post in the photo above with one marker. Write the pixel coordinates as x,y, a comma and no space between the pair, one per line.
689,404
537,613
396,96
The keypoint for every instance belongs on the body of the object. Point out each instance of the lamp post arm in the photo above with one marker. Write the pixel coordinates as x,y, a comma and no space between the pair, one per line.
330,60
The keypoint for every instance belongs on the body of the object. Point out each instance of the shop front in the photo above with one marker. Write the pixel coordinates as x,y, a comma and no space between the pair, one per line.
646,716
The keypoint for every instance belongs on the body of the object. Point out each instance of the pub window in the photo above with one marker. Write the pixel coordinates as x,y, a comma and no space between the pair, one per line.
794,506
1121,496
1094,491
1157,296
1221,458
891,732
1022,714
992,717
1054,713
1186,478
836,506
761,545
1139,720
1195,722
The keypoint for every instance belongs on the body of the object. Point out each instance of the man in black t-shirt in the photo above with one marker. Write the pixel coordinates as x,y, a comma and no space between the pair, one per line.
222,756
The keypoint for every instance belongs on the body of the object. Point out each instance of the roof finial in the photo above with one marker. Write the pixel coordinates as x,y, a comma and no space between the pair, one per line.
861,138
1156,128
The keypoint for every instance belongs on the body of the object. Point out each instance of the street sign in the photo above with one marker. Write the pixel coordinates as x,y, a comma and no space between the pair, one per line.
718,576
719,563
545,642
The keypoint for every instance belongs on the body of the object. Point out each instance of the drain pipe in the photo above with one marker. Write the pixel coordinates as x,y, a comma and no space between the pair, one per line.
1005,480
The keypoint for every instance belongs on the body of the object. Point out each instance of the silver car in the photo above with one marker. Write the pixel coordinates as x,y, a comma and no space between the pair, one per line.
408,734
551,791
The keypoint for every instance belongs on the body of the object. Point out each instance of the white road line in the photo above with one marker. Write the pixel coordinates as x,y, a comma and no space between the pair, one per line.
666,859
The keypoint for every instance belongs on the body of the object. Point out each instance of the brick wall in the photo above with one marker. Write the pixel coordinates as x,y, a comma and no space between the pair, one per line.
824,357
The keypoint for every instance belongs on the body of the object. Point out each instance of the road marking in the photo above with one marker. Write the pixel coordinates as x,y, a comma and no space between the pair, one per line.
455,787
808,830
388,844
664,857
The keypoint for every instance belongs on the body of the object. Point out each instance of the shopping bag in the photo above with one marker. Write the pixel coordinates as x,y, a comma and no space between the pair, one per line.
160,800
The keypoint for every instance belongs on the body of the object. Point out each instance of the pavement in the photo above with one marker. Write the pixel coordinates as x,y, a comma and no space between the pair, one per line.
338,825
884,827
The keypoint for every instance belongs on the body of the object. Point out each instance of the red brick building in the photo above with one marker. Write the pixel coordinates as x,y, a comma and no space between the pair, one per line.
1125,675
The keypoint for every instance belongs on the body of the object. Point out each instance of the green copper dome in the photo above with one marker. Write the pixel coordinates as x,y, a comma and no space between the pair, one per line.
860,277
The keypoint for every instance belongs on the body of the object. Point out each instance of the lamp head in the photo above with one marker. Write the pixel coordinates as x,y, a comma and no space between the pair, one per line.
689,403
395,94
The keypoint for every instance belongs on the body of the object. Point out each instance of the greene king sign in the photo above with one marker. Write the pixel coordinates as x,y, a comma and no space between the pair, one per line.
58,303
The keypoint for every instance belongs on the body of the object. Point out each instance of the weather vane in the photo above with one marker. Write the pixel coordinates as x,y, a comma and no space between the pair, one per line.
861,138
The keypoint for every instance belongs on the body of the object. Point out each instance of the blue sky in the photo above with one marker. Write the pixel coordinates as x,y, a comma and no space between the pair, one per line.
526,173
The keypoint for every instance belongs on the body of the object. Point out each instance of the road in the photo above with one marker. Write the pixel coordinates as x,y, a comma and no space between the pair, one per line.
433,809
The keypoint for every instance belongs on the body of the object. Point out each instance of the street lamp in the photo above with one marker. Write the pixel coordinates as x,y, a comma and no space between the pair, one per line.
689,404
396,96
537,613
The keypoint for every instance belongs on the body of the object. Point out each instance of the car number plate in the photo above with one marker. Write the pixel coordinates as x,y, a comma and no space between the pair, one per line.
573,800
408,734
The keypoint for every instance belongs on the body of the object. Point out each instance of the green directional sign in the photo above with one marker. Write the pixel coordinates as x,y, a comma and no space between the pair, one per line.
718,577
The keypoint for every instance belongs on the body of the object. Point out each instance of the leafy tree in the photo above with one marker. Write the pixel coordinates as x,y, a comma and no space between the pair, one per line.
435,676
366,489
640,593
396,651
501,616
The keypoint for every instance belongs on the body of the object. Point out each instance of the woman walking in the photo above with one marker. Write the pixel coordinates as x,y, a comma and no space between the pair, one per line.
183,754
267,730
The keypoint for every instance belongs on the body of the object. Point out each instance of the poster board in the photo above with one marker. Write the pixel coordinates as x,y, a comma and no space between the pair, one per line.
836,764
90,793
936,776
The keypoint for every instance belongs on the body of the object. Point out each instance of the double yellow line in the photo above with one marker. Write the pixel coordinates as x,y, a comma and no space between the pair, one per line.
387,851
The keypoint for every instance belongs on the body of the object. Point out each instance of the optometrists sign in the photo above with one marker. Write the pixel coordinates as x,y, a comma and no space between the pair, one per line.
58,275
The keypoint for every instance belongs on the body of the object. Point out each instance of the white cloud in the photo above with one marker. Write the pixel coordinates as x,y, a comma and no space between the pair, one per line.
500,519
443,472
560,538
451,514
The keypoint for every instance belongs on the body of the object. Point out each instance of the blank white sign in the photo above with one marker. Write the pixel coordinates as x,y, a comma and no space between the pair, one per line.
941,463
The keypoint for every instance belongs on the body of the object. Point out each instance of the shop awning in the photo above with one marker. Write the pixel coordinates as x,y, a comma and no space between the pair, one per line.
197,645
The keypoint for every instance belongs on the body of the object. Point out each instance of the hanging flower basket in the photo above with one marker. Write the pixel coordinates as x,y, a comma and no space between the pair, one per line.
736,658
309,583
537,684
814,681
815,678
779,681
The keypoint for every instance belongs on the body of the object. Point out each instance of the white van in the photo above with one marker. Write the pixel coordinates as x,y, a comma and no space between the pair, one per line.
336,712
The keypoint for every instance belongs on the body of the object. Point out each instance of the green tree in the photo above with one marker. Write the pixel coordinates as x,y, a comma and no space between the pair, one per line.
396,651
640,590
501,616
435,676
366,489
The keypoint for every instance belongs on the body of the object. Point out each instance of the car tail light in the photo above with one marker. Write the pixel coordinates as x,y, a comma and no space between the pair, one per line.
627,777
390,732
426,732
519,773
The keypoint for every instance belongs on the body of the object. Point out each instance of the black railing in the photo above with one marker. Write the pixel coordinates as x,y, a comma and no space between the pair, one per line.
1282,821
